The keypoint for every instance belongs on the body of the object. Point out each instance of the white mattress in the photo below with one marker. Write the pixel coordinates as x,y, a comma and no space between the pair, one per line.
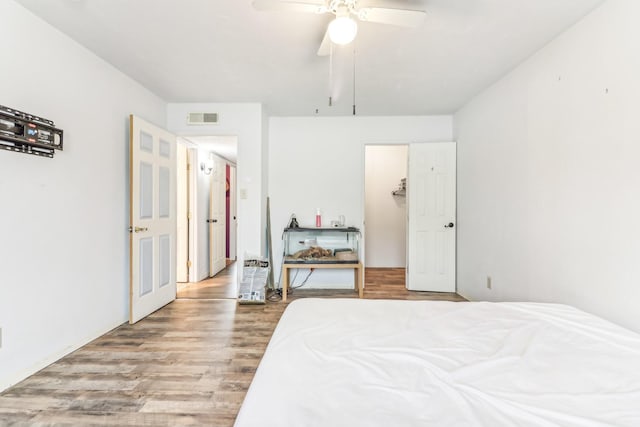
350,362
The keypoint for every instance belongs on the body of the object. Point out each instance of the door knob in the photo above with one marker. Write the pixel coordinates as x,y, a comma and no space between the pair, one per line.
140,229
212,220
450,225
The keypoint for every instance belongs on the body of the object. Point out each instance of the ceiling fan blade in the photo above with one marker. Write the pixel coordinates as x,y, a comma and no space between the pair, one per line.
325,46
400,17
293,6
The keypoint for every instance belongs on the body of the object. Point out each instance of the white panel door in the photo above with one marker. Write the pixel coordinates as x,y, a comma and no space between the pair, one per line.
217,217
431,202
152,223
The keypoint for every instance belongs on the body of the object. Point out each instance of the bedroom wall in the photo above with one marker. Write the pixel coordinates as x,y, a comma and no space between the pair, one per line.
548,174
318,162
63,222
246,121
385,214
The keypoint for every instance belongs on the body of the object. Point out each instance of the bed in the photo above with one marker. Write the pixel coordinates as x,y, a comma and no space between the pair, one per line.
344,362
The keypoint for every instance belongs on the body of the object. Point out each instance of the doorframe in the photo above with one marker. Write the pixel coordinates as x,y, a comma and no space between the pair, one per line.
182,209
193,190
233,212
192,155
364,196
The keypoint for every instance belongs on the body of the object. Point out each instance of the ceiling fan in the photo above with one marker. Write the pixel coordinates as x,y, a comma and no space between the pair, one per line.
343,28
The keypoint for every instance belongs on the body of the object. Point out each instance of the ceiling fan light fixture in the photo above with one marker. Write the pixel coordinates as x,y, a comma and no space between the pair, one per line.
343,30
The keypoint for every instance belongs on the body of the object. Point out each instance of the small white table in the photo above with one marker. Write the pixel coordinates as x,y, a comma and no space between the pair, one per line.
357,274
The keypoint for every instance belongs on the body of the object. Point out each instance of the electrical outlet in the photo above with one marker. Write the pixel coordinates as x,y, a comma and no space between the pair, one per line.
488,282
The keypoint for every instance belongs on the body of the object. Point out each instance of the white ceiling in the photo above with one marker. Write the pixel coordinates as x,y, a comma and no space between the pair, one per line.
225,146
225,51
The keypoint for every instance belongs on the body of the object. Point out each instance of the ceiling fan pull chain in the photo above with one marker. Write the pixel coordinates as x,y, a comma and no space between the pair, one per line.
354,79
330,75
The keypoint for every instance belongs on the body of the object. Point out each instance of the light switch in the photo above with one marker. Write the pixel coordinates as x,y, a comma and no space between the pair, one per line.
243,193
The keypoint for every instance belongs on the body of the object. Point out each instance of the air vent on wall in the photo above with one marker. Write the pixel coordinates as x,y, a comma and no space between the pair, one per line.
202,119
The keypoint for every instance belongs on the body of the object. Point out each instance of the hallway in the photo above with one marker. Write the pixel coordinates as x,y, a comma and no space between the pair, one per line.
222,286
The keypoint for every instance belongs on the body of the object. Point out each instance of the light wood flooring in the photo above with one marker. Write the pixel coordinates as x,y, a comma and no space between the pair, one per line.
222,285
189,363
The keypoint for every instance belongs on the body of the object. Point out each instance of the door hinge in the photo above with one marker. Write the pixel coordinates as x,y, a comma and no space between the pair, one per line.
189,215
188,167
189,264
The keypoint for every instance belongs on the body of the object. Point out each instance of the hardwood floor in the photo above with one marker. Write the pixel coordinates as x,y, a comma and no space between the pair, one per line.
222,285
189,363
380,283
389,283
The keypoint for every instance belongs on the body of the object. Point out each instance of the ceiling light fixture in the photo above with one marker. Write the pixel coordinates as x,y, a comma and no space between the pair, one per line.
343,29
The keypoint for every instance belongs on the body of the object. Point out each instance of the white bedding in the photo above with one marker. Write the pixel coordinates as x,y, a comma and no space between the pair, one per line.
346,362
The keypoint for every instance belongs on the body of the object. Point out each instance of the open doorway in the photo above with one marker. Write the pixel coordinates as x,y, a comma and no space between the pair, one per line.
207,222
385,216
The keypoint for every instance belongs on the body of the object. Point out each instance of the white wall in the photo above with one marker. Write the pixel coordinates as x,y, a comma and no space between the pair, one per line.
63,221
385,214
319,162
246,121
548,179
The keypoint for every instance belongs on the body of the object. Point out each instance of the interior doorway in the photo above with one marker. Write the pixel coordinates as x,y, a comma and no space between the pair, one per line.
206,196
385,243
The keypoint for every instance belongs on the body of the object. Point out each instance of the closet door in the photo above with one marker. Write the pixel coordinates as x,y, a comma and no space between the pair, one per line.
431,200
